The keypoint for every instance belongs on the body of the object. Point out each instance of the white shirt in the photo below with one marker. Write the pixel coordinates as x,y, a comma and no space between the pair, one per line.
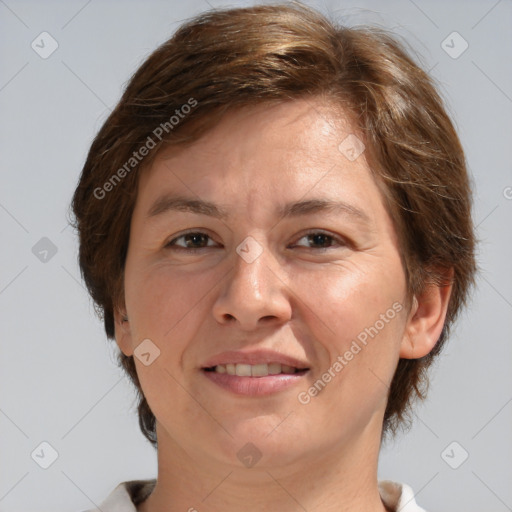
127,495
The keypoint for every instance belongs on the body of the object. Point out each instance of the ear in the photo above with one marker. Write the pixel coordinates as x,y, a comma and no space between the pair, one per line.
123,331
426,319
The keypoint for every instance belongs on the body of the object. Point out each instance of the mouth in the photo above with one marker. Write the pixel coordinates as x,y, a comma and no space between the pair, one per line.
255,370
256,374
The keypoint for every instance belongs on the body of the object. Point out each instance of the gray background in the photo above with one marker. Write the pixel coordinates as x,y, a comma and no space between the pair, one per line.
58,378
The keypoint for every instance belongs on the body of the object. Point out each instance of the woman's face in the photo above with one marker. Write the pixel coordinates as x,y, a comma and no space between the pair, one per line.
320,289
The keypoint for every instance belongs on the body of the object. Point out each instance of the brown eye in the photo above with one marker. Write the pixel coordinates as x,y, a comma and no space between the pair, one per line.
321,240
192,240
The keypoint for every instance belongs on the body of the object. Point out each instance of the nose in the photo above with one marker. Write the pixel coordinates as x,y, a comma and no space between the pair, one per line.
253,294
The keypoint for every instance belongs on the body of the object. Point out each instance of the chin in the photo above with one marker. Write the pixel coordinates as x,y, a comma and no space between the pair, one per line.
259,442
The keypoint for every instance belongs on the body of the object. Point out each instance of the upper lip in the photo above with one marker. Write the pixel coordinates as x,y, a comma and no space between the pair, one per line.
254,357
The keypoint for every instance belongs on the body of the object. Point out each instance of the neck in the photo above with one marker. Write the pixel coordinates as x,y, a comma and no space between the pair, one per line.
340,480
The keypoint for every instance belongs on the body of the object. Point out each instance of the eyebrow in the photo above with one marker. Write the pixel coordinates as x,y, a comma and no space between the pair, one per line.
169,203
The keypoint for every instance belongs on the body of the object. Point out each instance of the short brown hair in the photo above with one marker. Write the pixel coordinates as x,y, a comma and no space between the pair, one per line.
225,59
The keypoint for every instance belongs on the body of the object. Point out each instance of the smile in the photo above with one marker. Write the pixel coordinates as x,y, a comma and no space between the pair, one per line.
254,380
255,370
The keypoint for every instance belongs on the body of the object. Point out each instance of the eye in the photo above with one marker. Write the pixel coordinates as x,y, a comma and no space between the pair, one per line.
197,240
319,238
192,241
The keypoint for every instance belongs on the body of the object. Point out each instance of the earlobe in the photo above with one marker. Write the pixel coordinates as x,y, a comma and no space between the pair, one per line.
426,319
123,332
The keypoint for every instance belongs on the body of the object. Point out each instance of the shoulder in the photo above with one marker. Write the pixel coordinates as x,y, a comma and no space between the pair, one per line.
126,496
398,497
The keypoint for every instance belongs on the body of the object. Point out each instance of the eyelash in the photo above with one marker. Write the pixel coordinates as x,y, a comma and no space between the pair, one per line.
171,243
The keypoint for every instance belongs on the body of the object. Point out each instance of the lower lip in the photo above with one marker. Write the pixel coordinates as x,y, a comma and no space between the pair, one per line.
255,386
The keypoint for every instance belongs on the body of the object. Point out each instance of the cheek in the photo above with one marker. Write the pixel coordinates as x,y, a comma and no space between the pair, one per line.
351,298
358,325
165,301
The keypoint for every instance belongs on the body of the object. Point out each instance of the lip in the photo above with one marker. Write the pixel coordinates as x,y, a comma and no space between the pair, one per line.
255,386
254,357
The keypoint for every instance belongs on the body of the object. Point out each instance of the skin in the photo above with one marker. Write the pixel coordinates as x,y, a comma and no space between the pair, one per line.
307,297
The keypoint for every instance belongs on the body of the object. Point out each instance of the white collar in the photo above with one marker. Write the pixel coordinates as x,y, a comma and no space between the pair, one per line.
396,496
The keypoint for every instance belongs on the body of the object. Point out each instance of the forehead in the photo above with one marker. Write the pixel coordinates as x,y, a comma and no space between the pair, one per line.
269,124
273,143
260,161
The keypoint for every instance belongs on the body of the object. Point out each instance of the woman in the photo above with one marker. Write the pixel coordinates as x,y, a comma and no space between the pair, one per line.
275,221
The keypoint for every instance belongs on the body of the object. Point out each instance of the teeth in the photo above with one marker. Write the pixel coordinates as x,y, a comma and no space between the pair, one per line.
274,368
287,369
243,370
259,370
254,370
